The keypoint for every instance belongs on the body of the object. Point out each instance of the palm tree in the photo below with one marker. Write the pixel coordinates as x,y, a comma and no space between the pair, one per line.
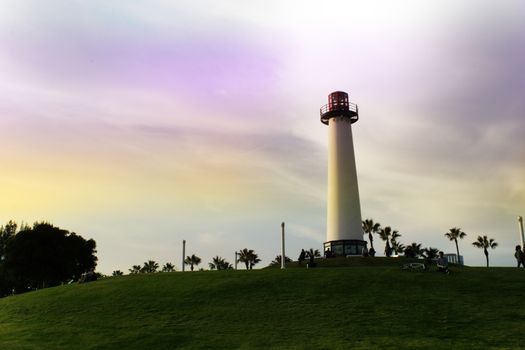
192,260
413,250
385,234
248,257
370,227
150,266
430,253
219,264
168,267
453,235
277,260
312,254
117,273
485,243
397,247
135,269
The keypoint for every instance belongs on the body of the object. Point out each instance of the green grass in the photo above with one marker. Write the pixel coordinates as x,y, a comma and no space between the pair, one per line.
363,307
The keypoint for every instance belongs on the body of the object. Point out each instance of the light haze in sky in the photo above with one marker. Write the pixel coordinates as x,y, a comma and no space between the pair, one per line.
143,123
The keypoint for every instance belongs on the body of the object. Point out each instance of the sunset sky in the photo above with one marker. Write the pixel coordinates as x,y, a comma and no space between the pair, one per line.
143,123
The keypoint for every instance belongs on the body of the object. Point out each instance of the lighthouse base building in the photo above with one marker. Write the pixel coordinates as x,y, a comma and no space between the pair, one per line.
344,233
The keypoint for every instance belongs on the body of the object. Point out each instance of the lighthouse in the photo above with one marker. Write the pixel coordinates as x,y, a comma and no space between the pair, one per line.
344,233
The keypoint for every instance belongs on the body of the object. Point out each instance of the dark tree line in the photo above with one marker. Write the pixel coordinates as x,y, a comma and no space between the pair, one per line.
42,256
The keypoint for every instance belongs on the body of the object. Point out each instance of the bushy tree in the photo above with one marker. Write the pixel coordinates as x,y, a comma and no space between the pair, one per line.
117,273
45,255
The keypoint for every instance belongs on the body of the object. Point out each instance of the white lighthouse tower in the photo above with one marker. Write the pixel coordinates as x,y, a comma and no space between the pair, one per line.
344,233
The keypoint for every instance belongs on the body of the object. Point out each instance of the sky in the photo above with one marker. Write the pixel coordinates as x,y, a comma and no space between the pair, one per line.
143,123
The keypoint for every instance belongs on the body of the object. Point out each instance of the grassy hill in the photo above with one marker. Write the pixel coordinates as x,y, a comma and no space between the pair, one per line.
360,307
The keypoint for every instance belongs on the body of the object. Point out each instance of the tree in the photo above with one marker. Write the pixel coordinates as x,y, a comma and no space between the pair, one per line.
117,273
45,255
385,234
312,254
277,260
397,247
149,266
218,263
6,233
485,243
168,267
370,227
453,235
192,260
413,250
248,257
430,254
135,269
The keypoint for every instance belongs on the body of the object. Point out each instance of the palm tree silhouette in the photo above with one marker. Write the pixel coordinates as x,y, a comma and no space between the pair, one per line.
150,266
135,269
168,267
413,250
312,254
218,263
248,257
453,235
430,253
385,234
370,227
192,260
277,260
485,243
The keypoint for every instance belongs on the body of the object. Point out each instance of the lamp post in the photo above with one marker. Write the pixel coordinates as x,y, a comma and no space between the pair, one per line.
283,255
522,237
183,253
236,260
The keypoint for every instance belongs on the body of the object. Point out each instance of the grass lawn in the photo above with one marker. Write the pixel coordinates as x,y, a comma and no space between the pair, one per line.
355,307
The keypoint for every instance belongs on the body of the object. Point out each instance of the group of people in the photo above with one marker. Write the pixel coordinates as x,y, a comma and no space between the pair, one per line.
520,256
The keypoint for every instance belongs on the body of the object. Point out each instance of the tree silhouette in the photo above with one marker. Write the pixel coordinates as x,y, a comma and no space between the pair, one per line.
117,273
485,243
248,257
149,266
397,247
312,254
430,254
277,260
168,267
192,260
385,234
413,250
135,269
370,227
453,235
44,255
218,263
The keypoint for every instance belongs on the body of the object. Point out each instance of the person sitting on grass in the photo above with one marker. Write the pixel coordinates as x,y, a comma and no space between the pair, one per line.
442,264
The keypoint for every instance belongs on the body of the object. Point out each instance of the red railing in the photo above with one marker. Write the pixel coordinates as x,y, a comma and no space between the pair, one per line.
339,107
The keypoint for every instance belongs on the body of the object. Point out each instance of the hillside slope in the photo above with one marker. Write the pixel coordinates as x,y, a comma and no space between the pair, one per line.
328,308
